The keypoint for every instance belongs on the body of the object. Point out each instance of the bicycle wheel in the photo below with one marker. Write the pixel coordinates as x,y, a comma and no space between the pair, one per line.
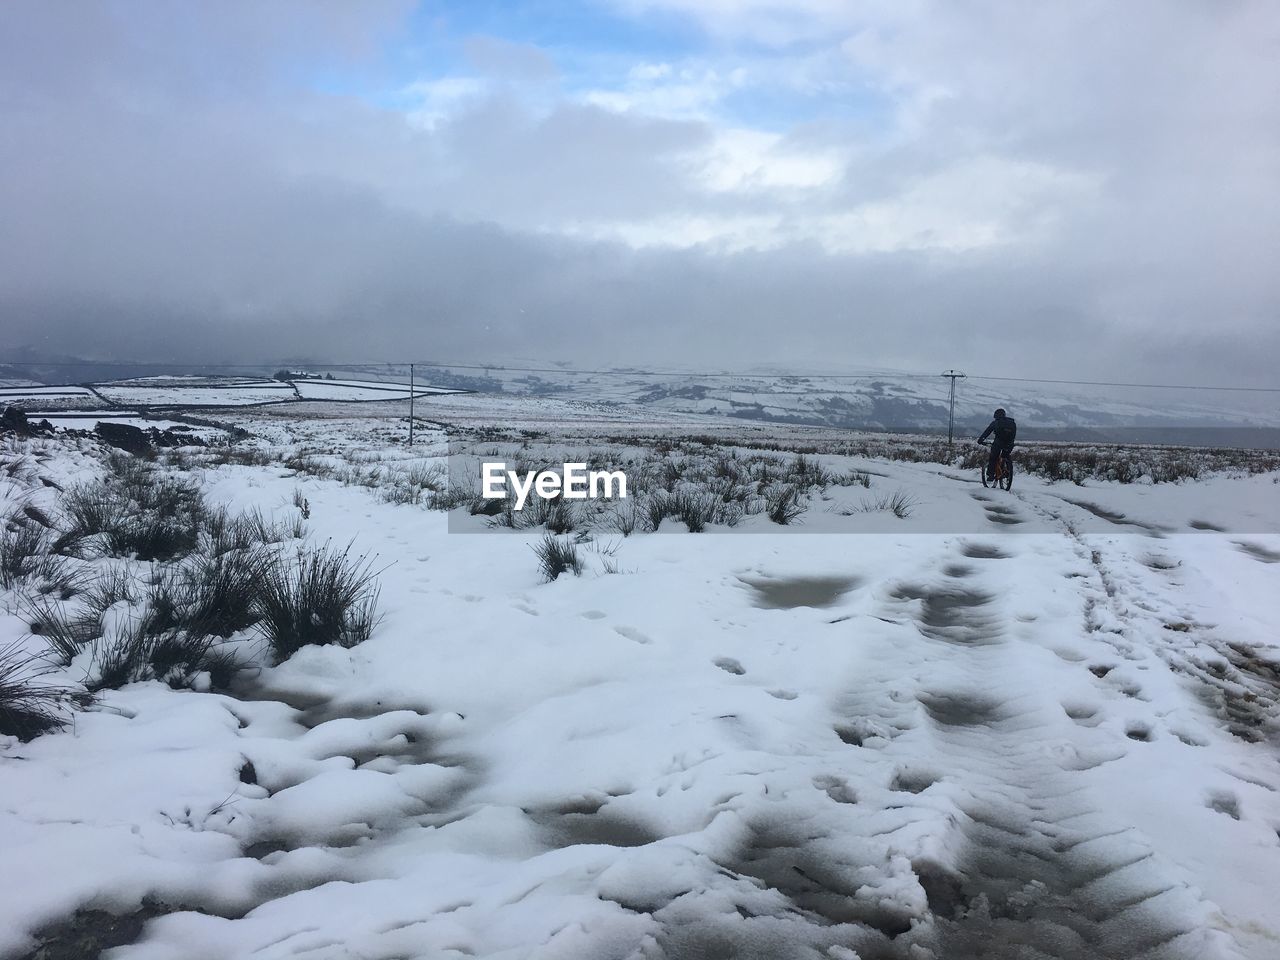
982,472
1006,478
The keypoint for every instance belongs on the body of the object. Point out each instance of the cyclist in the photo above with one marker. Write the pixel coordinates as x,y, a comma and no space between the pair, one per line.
1005,430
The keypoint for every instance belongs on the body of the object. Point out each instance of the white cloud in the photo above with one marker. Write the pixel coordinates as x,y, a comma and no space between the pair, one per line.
752,161
1109,162
985,202
431,101
676,92
731,233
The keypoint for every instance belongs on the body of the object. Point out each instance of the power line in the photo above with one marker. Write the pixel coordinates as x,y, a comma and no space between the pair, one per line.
706,375
673,374
1148,386
700,374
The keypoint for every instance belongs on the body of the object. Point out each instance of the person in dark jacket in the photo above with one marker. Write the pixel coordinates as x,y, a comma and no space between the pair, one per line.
1003,431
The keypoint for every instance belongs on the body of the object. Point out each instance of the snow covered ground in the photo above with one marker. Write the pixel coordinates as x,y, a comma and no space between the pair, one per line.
189,392
40,391
360,390
1039,723
38,396
172,392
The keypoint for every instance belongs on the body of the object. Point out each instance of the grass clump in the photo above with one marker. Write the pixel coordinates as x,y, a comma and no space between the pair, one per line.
655,508
900,503
696,508
320,596
134,511
557,515
557,556
783,504
625,517
219,594
64,634
28,706
26,559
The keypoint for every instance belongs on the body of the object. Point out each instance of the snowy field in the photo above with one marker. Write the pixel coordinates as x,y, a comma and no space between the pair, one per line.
39,391
190,392
1025,724
362,390
126,399
35,396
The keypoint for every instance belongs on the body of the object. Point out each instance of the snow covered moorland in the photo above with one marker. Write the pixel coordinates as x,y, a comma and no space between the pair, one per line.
873,710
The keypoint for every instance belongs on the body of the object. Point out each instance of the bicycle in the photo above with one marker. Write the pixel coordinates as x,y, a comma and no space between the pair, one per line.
1003,477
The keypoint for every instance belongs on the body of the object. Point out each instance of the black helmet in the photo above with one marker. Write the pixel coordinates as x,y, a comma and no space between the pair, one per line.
999,413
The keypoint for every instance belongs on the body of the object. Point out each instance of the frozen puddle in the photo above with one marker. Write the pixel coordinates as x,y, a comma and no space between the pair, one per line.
787,593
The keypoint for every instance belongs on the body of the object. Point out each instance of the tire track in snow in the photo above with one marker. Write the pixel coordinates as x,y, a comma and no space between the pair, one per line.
1027,863
1235,683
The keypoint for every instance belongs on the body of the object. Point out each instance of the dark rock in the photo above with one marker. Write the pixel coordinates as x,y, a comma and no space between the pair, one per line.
124,436
179,436
14,420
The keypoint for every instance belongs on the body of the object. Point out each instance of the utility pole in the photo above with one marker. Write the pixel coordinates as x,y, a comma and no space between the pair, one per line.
951,407
412,391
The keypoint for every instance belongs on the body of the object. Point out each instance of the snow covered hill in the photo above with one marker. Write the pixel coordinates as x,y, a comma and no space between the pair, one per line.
860,399
1039,723
880,399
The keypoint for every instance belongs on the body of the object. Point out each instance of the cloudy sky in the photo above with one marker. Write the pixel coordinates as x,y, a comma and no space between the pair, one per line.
1079,189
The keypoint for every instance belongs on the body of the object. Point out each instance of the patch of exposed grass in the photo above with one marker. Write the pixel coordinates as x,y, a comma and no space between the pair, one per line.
557,556
28,705
783,504
65,634
26,559
318,596
134,511
900,503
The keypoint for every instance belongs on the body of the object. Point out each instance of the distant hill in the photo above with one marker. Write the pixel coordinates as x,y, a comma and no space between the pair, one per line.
865,399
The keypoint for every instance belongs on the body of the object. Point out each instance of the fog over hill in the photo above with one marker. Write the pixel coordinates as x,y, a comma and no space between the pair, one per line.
847,398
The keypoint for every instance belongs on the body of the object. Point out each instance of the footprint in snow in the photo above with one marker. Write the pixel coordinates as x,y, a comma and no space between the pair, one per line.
913,781
730,665
631,633
1224,801
593,614
1085,714
783,694
837,788
1206,525
983,551
1259,552
1132,690
1139,731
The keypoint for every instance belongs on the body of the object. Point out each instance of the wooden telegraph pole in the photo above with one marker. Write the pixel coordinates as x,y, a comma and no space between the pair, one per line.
411,393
